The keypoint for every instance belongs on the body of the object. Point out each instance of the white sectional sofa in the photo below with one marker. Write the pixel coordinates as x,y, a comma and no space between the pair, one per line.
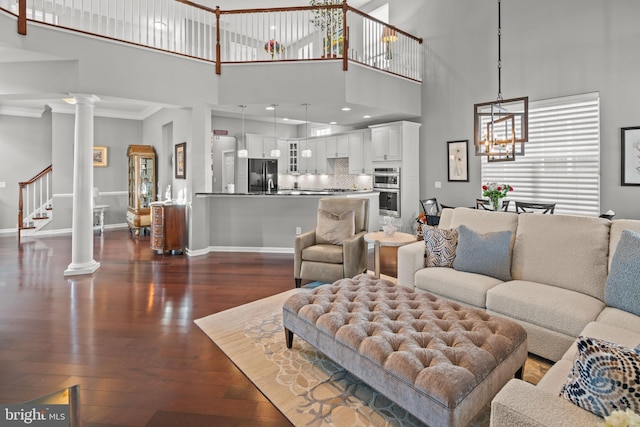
559,266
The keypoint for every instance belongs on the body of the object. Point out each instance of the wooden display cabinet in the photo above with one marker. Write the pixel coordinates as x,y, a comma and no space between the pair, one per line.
142,186
168,227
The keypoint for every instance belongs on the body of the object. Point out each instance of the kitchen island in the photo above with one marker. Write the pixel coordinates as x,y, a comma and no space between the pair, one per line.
268,222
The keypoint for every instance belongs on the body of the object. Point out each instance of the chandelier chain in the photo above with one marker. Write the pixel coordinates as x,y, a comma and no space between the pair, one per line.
499,52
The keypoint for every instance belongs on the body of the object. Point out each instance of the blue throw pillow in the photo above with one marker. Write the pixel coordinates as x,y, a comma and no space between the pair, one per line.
622,290
488,254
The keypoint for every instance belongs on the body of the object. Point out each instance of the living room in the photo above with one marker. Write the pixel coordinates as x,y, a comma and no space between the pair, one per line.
550,49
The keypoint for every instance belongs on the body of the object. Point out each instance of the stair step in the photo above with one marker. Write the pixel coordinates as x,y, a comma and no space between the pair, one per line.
26,228
49,208
41,217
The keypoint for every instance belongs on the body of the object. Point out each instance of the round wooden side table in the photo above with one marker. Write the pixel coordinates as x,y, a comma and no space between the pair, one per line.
393,242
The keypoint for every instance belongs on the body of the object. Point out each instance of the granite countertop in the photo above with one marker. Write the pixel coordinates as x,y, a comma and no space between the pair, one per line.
291,192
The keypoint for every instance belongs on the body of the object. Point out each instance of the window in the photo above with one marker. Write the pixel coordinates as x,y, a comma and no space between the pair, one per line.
562,157
321,131
241,52
306,51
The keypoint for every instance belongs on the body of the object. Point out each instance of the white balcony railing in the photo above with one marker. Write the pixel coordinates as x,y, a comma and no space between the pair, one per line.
253,35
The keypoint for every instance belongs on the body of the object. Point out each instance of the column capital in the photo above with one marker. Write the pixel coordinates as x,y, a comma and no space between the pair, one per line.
83,98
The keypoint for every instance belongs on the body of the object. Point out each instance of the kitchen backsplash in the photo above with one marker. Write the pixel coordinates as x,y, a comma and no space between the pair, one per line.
339,179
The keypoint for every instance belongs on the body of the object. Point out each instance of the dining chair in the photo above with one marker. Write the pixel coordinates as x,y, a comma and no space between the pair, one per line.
526,207
431,209
486,205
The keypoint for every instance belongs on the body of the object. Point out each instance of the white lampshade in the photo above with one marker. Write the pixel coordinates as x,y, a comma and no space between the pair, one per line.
243,154
275,153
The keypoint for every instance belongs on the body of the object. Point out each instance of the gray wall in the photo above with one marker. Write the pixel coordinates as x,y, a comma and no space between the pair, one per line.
31,144
26,150
550,48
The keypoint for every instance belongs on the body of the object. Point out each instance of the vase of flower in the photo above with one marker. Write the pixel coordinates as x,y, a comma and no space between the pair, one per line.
495,192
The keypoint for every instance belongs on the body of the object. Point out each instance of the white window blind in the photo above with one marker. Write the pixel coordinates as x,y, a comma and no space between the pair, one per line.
562,157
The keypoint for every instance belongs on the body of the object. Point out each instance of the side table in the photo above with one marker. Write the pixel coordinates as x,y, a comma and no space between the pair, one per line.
380,238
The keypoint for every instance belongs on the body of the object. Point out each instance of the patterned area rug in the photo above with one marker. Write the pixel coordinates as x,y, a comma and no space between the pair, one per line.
307,387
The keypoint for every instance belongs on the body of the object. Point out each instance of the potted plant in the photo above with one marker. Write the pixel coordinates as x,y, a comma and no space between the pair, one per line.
329,21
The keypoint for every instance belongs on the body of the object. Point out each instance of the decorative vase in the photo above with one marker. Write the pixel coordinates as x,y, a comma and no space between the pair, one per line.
495,203
420,233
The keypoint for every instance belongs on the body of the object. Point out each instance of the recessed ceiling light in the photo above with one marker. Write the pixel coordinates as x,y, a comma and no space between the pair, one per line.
284,119
270,108
366,117
159,25
333,123
346,109
71,101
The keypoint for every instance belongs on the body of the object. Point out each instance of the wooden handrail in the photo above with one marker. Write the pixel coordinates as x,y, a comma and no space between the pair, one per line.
37,177
22,17
21,186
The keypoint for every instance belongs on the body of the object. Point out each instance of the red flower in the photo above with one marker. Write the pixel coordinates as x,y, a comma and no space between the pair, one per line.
484,187
510,188
499,188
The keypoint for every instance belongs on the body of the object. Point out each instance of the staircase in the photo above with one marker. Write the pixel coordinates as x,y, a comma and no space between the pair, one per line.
35,201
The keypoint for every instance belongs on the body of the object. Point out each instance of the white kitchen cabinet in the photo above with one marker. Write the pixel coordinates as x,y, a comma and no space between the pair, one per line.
337,146
397,144
359,153
260,147
293,157
317,163
283,160
386,142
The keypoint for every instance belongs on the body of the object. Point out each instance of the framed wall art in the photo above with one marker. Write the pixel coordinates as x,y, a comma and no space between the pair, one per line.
630,155
458,160
180,160
100,156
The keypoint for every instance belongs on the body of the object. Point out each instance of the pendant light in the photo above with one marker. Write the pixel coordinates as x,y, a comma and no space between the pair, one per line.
307,151
275,152
501,127
243,153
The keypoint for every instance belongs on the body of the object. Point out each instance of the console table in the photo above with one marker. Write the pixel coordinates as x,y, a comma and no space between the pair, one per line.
98,216
168,227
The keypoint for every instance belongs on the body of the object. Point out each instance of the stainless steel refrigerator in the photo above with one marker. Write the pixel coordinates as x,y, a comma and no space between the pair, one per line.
263,175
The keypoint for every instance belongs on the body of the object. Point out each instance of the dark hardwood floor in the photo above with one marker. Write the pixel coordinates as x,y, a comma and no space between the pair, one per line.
126,334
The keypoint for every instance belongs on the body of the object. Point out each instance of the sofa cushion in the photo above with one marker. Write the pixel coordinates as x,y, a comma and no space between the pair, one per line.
550,307
604,377
481,221
488,254
620,318
617,227
440,246
565,251
333,228
468,288
331,254
622,289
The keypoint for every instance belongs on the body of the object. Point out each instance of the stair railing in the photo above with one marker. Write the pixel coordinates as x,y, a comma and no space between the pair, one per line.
302,33
34,199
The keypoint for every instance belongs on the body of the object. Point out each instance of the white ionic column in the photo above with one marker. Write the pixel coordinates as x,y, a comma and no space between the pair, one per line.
82,261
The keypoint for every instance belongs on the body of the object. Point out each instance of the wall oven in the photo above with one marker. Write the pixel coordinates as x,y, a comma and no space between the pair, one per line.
387,182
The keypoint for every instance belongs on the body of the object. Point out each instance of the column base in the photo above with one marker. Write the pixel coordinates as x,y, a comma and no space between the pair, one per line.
85,268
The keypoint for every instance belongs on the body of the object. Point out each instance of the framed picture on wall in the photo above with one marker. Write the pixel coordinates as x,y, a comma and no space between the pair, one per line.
100,156
180,160
630,155
458,160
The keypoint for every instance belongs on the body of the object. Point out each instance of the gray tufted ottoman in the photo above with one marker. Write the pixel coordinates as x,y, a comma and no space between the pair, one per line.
440,361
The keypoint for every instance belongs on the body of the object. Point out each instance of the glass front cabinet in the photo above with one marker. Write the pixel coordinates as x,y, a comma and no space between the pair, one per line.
142,186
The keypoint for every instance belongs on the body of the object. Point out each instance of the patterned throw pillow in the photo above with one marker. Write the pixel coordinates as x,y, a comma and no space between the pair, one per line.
605,377
440,246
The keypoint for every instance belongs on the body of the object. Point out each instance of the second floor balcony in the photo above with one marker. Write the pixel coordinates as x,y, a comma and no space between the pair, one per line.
333,54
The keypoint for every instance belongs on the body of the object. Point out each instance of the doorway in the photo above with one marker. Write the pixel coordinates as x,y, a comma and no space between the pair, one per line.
228,168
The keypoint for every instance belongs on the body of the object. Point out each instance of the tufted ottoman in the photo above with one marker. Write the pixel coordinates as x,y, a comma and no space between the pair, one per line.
440,361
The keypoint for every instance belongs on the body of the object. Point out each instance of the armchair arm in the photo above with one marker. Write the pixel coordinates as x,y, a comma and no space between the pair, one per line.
410,260
302,241
525,405
354,253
